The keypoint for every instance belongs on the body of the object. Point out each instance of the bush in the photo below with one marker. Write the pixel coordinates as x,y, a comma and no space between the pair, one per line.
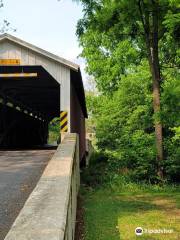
125,127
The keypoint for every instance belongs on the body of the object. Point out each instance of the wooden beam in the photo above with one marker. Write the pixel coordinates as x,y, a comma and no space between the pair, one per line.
17,75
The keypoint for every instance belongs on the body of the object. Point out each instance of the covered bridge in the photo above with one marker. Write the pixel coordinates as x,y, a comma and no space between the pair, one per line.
35,86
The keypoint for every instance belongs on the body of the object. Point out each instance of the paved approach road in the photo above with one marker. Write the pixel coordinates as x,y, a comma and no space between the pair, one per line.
19,173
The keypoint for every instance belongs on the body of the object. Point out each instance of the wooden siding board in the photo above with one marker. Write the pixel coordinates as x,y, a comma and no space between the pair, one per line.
40,51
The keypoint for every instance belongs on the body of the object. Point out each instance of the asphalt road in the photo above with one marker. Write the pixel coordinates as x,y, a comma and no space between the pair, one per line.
19,173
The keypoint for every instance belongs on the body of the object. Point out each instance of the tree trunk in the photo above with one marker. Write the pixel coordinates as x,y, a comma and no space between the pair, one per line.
150,24
153,63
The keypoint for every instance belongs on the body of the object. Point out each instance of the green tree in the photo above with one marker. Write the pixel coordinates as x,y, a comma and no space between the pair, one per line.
124,125
117,35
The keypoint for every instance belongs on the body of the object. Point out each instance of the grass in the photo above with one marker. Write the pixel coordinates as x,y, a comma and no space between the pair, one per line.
113,210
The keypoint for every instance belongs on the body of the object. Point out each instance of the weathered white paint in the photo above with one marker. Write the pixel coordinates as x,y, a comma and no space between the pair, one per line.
31,55
41,51
50,211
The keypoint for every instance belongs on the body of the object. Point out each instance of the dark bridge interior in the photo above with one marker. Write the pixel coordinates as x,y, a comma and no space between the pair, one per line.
27,104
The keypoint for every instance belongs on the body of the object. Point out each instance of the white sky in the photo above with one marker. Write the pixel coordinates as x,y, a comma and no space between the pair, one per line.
49,24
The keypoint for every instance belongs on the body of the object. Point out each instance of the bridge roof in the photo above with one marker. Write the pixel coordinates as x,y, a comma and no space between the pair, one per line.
40,51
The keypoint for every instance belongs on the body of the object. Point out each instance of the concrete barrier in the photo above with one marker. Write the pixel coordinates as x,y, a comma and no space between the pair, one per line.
50,211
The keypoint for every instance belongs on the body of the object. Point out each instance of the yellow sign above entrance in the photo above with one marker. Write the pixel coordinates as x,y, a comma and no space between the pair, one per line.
10,61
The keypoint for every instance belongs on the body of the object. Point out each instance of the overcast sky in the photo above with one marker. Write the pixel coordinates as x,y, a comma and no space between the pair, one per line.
49,24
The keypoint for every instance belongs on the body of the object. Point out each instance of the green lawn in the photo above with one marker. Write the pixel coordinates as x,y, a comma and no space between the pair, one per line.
113,213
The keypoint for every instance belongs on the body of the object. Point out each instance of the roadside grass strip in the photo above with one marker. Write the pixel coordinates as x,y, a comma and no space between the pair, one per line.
114,215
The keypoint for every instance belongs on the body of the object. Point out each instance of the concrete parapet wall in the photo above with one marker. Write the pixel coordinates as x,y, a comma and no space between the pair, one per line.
50,211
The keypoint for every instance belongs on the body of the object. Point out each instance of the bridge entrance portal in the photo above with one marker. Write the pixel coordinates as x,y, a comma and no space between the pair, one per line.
29,100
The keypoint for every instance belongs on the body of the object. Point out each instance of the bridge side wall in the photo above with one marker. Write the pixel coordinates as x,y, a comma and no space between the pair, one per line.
50,211
78,122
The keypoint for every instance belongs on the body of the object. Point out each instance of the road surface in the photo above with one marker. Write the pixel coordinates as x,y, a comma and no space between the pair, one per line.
19,173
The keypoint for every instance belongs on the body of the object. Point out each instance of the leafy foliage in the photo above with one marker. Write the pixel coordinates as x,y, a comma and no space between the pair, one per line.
5,25
113,37
125,130
54,131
